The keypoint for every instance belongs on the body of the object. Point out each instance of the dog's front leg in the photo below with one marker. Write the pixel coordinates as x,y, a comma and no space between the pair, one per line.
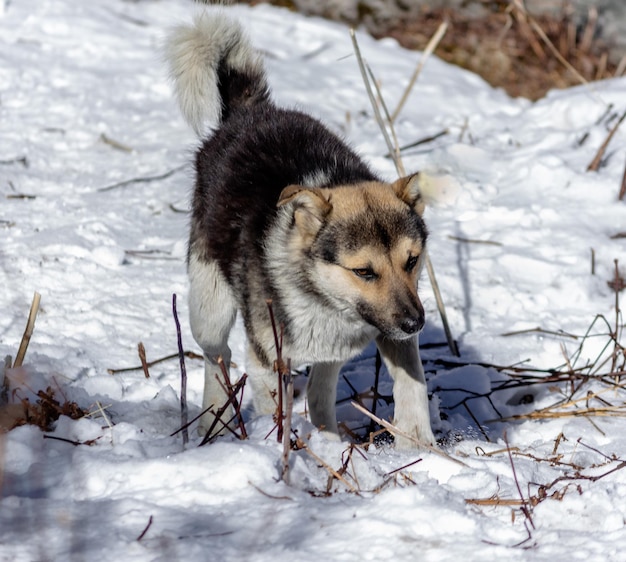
322,395
410,395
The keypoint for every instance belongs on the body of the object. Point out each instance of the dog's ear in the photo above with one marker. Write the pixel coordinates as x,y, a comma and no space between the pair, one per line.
309,204
409,190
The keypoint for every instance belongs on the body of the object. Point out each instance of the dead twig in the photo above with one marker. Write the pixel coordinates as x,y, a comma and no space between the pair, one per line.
538,330
184,413
595,163
71,441
281,368
230,391
147,179
188,354
28,332
419,142
143,533
23,160
232,398
141,350
115,144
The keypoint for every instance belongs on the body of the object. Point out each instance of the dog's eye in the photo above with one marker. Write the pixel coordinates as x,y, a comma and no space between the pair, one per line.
411,263
366,273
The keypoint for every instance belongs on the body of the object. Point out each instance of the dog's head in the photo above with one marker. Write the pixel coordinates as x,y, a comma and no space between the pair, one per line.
362,247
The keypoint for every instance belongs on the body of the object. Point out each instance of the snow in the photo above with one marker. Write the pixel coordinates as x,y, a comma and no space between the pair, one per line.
85,101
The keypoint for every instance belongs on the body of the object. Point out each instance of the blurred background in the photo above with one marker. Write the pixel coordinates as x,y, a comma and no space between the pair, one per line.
511,43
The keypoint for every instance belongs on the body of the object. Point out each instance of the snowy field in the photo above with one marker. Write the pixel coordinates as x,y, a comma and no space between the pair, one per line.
85,107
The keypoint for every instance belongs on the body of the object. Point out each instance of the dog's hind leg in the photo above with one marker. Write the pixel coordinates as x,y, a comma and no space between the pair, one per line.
264,383
322,395
212,312
410,395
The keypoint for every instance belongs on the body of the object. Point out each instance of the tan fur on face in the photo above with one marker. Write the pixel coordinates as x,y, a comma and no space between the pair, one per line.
392,279
362,237
351,200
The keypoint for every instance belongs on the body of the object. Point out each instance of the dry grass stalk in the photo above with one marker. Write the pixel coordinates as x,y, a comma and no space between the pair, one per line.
595,163
28,332
115,144
103,414
398,432
622,191
428,51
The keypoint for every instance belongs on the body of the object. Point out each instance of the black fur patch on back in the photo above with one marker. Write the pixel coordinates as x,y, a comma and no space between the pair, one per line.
242,169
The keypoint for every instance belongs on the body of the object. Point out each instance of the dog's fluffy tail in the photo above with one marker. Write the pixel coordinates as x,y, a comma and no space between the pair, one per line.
214,69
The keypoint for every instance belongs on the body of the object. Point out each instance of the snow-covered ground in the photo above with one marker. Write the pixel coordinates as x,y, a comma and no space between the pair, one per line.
85,106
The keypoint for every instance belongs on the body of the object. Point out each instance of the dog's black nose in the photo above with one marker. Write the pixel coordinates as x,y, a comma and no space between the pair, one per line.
411,325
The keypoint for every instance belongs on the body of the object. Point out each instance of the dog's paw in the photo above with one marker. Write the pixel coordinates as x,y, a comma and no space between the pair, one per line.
413,439
330,436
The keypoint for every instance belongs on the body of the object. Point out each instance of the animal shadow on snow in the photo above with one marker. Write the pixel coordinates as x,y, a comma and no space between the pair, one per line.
467,399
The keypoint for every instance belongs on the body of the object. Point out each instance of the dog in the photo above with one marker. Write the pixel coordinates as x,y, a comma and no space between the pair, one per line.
284,210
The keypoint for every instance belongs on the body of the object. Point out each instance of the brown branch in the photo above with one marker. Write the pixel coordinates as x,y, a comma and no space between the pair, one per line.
188,354
184,413
230,391
141,350
232,397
